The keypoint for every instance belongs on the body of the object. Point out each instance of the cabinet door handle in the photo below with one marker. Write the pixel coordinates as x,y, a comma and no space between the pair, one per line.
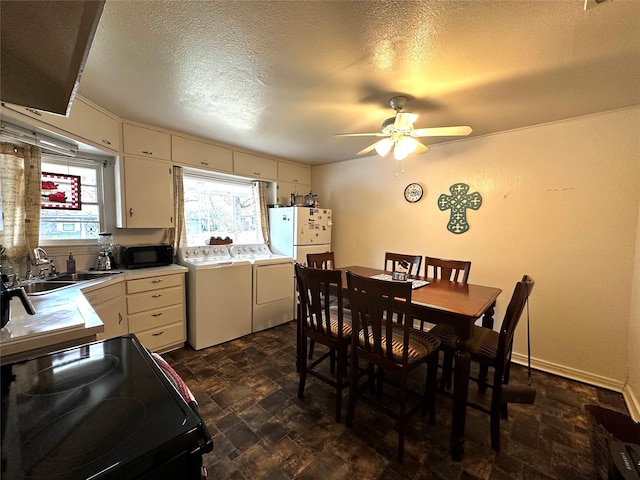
256,173
35,112
156,295
106,142
119,318
157,334
131,212
156,281
204,163
146,152
156,314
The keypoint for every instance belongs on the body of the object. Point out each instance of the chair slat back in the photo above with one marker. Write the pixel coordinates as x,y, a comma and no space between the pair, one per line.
453,270
323,260
511,318
392,260
374,306
315,290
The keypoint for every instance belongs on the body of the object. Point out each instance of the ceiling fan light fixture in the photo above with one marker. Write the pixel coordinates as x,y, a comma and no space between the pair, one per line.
383,147
404,146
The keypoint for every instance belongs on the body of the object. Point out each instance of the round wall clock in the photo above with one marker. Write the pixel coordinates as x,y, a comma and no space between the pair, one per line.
413,192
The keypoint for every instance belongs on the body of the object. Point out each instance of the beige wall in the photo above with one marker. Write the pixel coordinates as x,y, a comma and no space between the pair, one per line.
632,391
560,202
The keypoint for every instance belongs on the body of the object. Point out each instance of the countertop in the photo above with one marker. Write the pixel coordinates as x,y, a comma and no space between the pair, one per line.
63,318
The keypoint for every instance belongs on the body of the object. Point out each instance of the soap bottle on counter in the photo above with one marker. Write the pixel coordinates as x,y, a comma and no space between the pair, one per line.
71,264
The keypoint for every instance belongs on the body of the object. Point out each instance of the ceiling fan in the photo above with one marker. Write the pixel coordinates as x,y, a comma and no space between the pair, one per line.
400,134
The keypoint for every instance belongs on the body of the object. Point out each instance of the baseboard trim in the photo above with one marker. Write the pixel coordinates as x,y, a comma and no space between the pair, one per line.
571,373
632,403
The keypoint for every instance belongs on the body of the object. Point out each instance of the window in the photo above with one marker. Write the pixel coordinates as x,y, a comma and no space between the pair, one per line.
215,207
83,224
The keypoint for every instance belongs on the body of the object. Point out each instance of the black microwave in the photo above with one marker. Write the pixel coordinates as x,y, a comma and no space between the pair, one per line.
143,256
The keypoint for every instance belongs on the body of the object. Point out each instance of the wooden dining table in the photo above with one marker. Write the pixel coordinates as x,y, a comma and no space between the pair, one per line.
459,305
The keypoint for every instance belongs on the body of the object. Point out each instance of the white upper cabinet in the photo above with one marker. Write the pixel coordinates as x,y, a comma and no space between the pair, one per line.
146,142
193,153
289,172
85,122
144,193
254,166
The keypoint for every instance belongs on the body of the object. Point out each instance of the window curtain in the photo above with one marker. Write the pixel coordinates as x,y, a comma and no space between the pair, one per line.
20,177
177,234
260,191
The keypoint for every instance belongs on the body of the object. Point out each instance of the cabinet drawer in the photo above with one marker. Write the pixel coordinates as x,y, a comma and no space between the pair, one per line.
157,338
104,294
154,299
156,318
153,283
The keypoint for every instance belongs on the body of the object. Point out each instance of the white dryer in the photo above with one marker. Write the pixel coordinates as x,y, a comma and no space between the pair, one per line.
218,295
273,297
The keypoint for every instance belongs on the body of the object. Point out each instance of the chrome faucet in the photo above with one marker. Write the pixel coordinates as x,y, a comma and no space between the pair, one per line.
40,258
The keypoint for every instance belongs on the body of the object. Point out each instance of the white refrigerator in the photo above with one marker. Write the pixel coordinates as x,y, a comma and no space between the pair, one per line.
297,231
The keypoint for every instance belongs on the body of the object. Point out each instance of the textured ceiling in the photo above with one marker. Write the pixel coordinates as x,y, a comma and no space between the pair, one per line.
280,78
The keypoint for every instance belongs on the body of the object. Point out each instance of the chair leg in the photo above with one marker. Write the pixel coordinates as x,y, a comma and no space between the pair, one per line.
353,389
402,421
312,344
342,360
483,374
495,416
303,366
332,361
430,388
447,371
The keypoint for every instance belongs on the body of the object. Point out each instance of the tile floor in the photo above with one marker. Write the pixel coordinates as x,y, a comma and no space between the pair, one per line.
247,392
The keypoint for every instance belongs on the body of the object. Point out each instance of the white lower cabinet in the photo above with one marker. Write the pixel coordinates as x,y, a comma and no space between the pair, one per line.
109,303
156,311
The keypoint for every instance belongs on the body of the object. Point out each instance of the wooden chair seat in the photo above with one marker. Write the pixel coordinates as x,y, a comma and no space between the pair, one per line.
421,344
484,342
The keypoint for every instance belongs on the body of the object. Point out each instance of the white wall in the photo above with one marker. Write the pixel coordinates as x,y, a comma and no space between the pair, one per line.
560,203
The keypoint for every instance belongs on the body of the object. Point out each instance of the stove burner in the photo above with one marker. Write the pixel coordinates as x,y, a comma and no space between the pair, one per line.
69,375
81,437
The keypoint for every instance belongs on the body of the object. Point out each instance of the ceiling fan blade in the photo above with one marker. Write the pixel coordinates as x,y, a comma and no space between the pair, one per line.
372,147
379,134
404,120
442,131
421,148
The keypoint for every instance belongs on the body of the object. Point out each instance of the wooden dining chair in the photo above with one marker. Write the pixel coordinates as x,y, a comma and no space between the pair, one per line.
323,260
325,324
379,341
392,260
493,349
453,270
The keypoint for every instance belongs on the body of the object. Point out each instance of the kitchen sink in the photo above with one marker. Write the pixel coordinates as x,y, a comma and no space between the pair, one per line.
40,288
81,276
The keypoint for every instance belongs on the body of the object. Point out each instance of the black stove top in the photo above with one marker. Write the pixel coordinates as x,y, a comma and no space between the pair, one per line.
102,410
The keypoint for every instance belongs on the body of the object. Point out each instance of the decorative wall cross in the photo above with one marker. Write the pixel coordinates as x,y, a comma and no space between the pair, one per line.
458,202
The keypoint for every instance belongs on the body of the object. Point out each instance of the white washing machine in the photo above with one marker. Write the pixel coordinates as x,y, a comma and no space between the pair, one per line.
218,295
273,299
